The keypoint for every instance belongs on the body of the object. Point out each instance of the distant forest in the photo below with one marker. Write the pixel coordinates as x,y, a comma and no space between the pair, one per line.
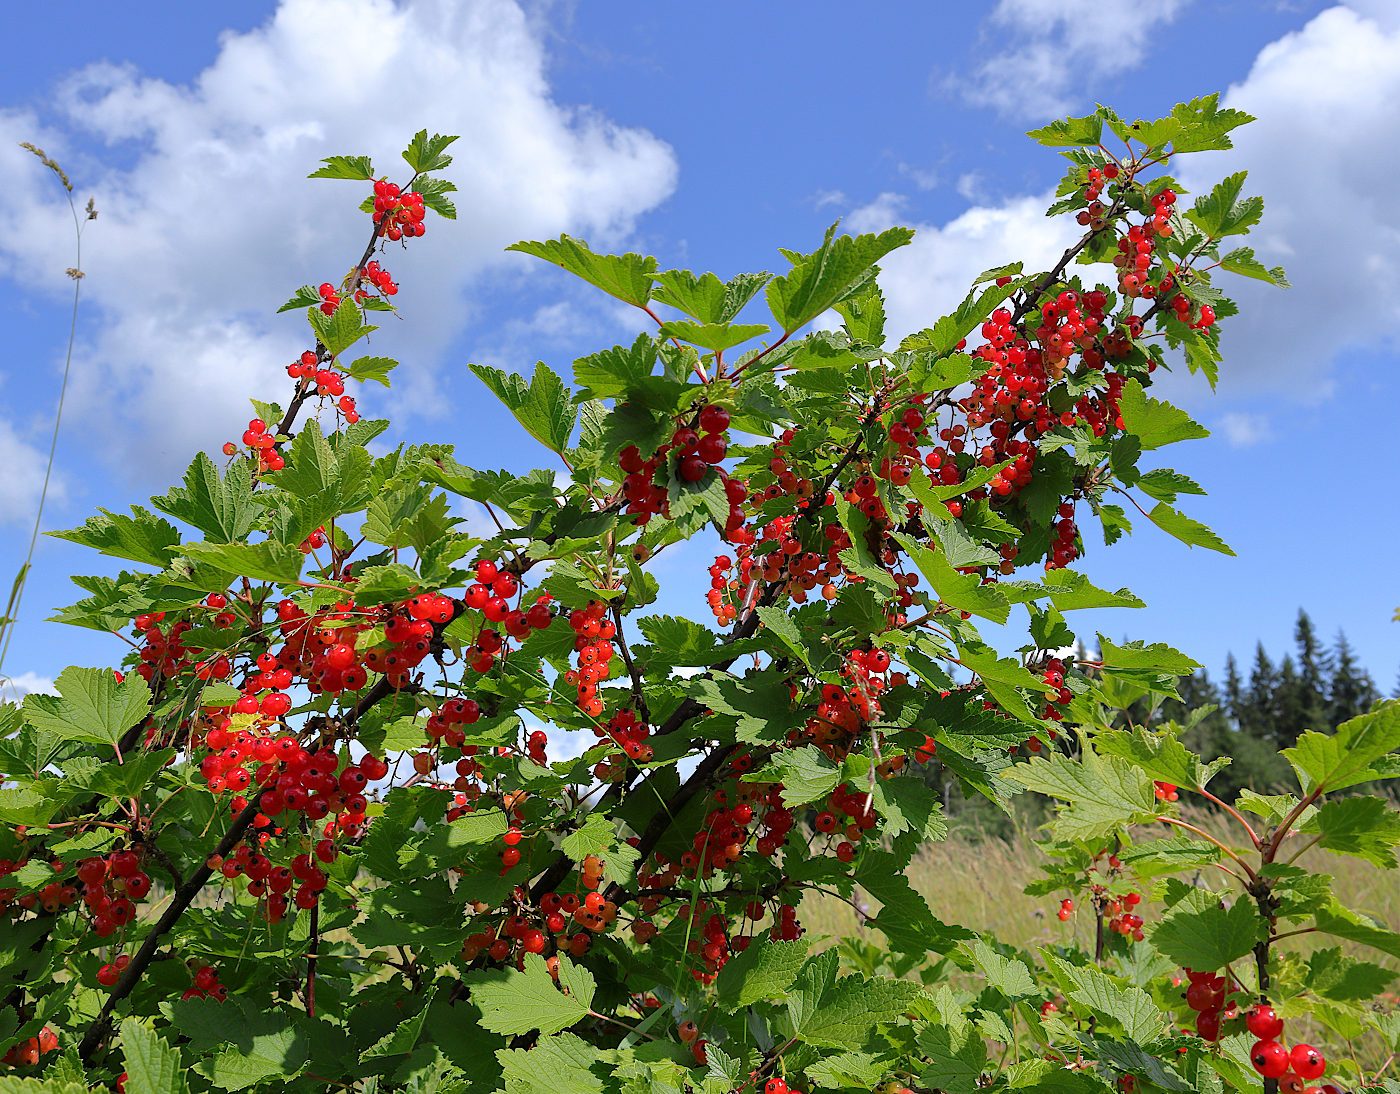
1256,713
1314,687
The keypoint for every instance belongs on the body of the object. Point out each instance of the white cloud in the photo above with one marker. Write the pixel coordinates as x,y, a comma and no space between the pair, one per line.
14,688
23,476
210,223
1243,430
877,215
925,178
1049,49
969,185
928,278
1324,154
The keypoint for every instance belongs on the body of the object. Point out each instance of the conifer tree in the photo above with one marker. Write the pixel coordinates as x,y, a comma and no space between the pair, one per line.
1352,689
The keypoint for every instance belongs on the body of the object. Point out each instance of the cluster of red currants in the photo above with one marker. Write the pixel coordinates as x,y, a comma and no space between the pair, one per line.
206,985
399,213
1054,677
1293,1068
257,437
162,653
1164,792
593,652
28,1053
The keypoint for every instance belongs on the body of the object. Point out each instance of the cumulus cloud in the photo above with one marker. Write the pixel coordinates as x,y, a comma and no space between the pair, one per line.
1051,49
23,477
15,688
1324,154
208,222
929,278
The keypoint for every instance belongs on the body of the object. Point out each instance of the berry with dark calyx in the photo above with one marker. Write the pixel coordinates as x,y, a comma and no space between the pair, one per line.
1269,1058
1307,1061
1263,1022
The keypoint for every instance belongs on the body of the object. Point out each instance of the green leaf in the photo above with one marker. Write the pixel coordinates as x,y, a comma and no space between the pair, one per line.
1204,126
221,508
1344,758
1001,676
619,370
1069,132
677,640
90,706
1131,1007
1155,422
425,153
514,1002
1160,756
304,297
342,328
381,584
780,623
761,972
712,336
627,277
904,917
962,591
267,561
1344,923
1223,212
1070,590
1208,938
152,1066
907,805
563,1064
1367,827
805,773
377,369
943,336
402,1037
1242,261
1137,657
358,168
1165,484
1007,975
853,1006
542,405
141,537
956,1054
1191,532
1102,794
706,297
434,193
819,280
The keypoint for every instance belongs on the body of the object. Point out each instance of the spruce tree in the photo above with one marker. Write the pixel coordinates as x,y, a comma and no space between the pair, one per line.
1314,669
1234,689
1288,719
1353,691
1259,705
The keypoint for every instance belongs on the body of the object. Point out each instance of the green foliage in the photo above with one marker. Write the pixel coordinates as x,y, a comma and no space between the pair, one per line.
451,919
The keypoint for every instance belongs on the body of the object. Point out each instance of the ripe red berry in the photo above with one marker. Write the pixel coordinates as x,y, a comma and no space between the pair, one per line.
1263,1022
1269,1058
1307,1061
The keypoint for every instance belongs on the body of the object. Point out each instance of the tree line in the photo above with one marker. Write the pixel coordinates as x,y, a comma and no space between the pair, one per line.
1258,712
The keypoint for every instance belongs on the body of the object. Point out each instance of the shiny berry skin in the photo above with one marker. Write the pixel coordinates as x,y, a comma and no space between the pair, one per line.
1269,1058
714,419
1263,1022
1307,1061
693,468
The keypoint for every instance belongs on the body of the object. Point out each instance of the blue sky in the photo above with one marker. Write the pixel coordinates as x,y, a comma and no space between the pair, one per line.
710,136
